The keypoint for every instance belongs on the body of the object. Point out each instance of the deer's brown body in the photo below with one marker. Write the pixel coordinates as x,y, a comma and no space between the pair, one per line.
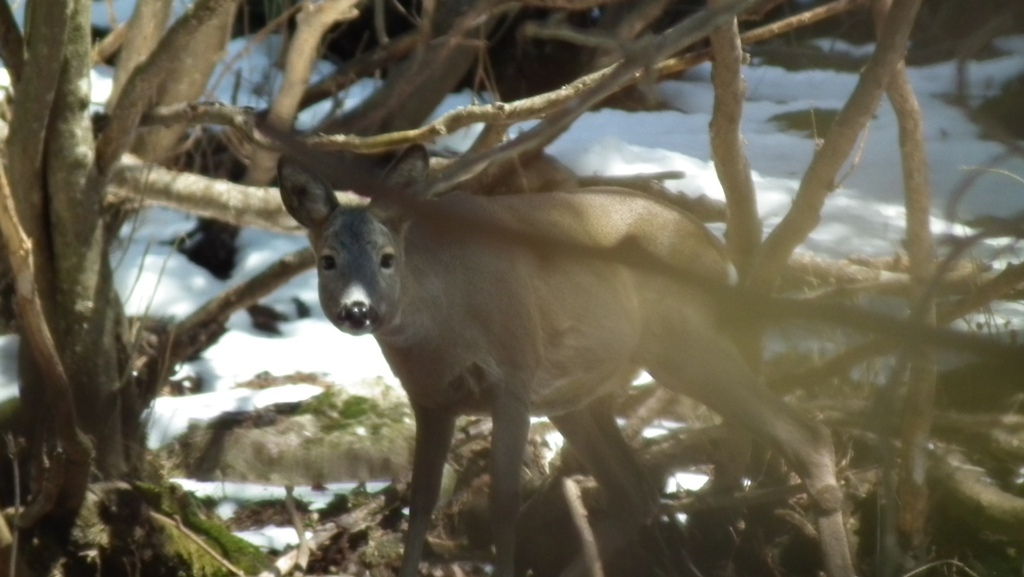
480,323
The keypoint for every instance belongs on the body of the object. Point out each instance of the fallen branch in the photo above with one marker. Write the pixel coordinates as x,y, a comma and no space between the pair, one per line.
998,435
821,278
967,492
106,48
991,289
197,540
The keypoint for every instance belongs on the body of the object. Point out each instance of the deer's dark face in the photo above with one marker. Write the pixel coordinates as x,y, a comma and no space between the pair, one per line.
357,264
358,250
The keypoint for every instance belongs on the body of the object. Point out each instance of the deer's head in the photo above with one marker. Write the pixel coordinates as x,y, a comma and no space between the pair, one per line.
358,245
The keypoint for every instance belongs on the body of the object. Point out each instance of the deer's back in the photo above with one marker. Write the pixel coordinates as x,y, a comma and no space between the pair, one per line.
484,312
608,219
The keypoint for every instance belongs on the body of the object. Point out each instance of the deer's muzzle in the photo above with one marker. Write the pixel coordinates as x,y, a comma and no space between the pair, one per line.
358,315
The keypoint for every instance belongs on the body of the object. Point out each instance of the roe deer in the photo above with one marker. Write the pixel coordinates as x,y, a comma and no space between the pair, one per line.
478,323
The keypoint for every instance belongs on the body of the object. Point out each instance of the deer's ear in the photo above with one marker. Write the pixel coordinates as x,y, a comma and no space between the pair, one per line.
306,196
409,169
403,178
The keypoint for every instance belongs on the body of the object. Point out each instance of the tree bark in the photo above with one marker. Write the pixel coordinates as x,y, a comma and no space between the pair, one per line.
87,309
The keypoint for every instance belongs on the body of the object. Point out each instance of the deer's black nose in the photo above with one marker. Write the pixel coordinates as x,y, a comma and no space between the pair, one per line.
357,314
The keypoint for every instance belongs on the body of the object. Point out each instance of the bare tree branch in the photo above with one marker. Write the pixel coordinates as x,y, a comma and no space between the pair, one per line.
141,34
626,22
110,44
731,164
311,23
36,330
820,279
818,181
645,53
919,402
217,198
185,79
87,310
501,113
1009,279
562,32
141,87
980,501
687,61
30,115
359,66
200,329
29,306
415,86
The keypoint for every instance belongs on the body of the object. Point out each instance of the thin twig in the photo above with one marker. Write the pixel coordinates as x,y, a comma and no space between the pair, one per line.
303,550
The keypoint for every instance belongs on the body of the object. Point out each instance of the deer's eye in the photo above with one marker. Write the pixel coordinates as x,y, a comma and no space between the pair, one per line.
327,262
387,260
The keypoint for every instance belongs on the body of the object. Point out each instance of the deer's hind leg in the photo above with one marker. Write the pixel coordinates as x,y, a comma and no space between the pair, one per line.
704,364
595,438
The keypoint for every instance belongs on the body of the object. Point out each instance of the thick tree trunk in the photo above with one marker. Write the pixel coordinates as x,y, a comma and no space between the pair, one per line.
87,310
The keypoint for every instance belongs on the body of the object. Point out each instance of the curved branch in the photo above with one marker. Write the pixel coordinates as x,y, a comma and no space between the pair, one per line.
976,499
819,180
502,113
141,86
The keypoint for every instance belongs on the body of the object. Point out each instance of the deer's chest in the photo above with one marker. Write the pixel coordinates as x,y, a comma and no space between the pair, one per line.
436,378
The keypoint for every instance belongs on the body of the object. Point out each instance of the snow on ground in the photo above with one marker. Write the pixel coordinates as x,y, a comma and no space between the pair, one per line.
865,216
